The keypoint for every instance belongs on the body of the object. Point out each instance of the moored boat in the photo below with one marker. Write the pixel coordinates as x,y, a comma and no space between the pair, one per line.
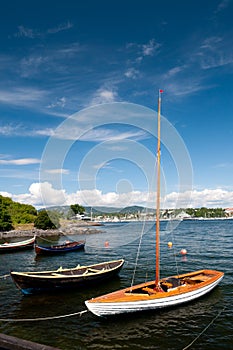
74,278
159,293
67,246
171,291
9,247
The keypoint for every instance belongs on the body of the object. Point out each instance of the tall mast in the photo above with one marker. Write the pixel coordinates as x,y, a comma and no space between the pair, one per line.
157,251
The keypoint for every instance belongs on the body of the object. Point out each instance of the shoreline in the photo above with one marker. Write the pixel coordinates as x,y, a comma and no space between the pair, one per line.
78,228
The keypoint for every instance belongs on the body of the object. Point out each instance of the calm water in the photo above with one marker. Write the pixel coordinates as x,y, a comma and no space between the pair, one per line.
209,245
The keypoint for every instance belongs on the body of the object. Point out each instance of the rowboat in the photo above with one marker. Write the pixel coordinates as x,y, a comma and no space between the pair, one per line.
16,246
77,277
159,293
68,246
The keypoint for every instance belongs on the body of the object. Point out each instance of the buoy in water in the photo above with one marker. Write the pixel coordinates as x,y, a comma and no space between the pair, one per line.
106,244
169,244
183,251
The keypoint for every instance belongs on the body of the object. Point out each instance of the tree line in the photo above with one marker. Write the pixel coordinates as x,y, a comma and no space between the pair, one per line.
14,213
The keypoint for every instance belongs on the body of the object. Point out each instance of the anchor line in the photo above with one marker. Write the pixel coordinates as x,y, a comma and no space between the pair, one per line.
80,313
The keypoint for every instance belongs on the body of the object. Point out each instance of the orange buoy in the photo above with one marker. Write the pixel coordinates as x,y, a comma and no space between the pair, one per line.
183,251
106,244
169,244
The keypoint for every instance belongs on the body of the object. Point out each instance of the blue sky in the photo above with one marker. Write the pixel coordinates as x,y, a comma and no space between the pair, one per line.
78,99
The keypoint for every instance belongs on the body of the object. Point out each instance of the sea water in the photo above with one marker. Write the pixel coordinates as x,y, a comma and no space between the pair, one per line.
203,324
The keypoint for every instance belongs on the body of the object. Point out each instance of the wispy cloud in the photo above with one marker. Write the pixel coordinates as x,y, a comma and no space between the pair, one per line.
58,171
150,48
22,161
9,130
26,32
215,52
32,33
222,5
94,135
60,102
22,96
61,27
132,73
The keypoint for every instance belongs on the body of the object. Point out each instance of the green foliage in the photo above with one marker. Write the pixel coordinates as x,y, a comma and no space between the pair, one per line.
5,220
206,212
77,209
15,213
47,220
22,213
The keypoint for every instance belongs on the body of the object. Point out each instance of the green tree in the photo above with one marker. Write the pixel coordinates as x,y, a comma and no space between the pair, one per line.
77,209
5,220
47,220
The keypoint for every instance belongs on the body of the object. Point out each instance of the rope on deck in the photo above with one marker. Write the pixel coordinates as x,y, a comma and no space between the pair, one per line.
80,313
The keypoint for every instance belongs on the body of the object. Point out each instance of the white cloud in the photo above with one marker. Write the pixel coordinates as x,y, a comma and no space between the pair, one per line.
60,102
132,73
22,96
8,130
215,52
24,32
60,28
58,171
150,48
43,194
22,161
104,95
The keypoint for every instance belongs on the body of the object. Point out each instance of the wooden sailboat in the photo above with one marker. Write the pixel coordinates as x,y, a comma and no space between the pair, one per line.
160,293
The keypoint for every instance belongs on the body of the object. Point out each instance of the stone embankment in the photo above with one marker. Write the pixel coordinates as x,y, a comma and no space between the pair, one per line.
67,229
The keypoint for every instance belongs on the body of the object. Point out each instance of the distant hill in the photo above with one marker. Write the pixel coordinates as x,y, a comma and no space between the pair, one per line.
62,209
101,210
135,209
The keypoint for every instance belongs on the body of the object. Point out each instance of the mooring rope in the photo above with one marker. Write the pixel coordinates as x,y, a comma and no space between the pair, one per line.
80,313
205,329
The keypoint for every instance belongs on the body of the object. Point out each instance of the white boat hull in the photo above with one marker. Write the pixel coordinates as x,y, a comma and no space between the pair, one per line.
115,308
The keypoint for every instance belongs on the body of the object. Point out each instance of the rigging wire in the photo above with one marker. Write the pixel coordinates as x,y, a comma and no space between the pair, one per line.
138,253
175,253
140,240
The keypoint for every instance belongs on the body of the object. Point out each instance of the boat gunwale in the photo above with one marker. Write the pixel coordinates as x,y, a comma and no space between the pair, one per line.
41,274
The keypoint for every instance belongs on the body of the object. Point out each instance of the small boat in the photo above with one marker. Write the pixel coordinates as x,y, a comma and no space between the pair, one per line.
159,293
16,246
67,246
78,277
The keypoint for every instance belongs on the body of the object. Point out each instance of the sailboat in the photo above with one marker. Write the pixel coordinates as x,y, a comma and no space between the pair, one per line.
159,293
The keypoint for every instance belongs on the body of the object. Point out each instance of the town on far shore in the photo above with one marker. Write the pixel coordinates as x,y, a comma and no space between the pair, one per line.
137,213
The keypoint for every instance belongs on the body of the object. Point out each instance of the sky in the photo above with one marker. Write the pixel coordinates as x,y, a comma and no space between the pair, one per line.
79,97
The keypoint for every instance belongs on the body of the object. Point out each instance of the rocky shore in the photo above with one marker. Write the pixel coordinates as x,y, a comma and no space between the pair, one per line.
67,229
